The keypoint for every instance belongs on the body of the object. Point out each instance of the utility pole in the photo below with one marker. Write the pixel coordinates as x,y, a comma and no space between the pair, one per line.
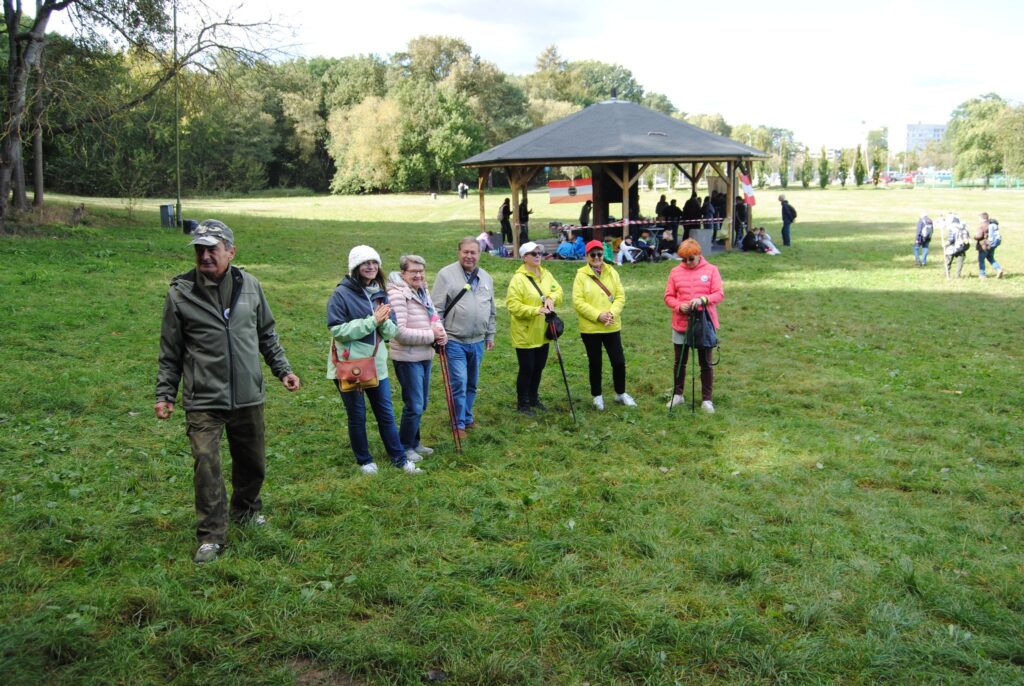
177,124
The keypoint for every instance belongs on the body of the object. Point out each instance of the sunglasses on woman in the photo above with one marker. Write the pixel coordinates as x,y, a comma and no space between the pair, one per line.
595,254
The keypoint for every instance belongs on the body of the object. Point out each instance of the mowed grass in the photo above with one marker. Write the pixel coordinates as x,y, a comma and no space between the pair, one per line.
851,515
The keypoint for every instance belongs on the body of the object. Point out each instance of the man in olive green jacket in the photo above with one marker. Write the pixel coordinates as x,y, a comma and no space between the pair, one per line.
216,325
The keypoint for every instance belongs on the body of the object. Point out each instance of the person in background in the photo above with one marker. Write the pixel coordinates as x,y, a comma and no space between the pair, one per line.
921,239
694,283
598,297
788,217
221,391
987,239
956,244
463,294
524,220
360,319
412,349
532,294
484,241
505,220
585,213
765,241
609,249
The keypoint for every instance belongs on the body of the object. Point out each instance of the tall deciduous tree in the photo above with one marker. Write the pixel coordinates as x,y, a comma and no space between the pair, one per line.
141,26
1010,139
973,133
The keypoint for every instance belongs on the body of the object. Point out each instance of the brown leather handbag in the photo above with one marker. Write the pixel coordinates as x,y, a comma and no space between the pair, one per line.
358,374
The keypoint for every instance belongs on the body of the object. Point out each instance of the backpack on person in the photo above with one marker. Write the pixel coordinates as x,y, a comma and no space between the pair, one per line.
926,231
961,241
501,213
994,236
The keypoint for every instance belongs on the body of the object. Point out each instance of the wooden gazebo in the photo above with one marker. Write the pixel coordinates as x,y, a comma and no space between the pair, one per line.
618,141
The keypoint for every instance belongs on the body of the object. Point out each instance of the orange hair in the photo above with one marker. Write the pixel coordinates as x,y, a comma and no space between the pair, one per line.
688,248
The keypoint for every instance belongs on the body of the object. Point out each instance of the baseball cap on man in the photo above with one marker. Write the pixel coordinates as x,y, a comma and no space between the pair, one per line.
211,232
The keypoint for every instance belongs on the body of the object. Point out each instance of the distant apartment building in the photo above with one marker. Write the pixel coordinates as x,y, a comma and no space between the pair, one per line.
920,135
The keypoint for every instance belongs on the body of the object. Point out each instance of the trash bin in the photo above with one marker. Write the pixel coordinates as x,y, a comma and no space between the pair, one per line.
167,216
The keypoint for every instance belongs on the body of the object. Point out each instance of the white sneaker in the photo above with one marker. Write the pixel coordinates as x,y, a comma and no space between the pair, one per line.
676,400
369,468
207,552
413,456
599,402
708,407
410,468
626,400
424,450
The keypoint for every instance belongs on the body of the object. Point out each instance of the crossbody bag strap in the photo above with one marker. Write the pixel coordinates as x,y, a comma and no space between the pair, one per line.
534,283
451,305
603,287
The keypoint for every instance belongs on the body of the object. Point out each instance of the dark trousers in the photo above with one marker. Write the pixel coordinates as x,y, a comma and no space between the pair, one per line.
506,231
707,373
785,233
531,365
246,442
612,343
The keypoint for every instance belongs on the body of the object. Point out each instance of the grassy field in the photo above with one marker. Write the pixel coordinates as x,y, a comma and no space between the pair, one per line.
851,515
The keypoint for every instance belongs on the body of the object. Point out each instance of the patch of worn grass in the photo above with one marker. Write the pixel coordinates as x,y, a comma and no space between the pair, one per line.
852,513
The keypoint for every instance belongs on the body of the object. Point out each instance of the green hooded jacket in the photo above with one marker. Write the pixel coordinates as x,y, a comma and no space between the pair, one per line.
218,355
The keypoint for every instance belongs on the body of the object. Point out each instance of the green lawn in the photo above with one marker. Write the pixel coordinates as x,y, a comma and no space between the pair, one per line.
851,515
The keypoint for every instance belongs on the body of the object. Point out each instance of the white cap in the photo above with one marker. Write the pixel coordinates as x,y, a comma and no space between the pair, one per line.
530,246
360,254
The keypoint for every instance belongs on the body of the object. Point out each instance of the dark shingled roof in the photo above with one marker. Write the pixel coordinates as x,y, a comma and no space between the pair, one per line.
613,130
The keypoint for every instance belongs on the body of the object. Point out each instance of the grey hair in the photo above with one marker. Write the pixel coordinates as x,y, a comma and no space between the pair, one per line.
468,239
405,260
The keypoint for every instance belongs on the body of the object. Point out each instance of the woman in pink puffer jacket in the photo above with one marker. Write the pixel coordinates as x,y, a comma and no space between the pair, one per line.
412,348
695,282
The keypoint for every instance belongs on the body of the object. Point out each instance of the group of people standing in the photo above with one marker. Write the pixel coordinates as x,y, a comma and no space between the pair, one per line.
956,239
217,324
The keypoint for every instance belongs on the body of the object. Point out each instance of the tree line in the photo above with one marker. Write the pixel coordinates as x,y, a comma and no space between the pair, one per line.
99,110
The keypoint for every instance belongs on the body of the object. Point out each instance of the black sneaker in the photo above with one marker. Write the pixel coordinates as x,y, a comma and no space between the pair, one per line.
538,405
525,409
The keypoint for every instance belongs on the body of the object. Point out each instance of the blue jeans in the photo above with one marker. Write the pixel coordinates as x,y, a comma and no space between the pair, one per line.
464,361
380,402
990,255
785,233
414,377
920,253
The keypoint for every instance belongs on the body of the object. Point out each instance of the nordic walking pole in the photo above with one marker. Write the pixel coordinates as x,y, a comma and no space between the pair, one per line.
558,353
452,419
694,359
672,393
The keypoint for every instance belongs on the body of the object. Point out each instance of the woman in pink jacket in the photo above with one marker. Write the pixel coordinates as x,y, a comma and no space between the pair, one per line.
412,349
695,282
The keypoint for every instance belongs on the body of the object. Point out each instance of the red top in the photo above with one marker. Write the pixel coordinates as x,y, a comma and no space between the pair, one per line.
685,284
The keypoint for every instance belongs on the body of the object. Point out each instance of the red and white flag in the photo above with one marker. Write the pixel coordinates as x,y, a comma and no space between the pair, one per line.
576,190
748,190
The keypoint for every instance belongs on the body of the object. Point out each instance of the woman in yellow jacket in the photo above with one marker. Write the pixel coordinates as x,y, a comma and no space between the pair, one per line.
532,293
599,299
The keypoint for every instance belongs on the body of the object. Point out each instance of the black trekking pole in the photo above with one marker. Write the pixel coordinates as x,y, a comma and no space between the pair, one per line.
452,419
558,353
691,316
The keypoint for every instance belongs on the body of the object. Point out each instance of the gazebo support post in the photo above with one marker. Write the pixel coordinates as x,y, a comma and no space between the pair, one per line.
481,176
730,202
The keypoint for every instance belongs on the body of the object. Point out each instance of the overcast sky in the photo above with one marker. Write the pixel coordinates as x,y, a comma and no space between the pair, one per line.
828,71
